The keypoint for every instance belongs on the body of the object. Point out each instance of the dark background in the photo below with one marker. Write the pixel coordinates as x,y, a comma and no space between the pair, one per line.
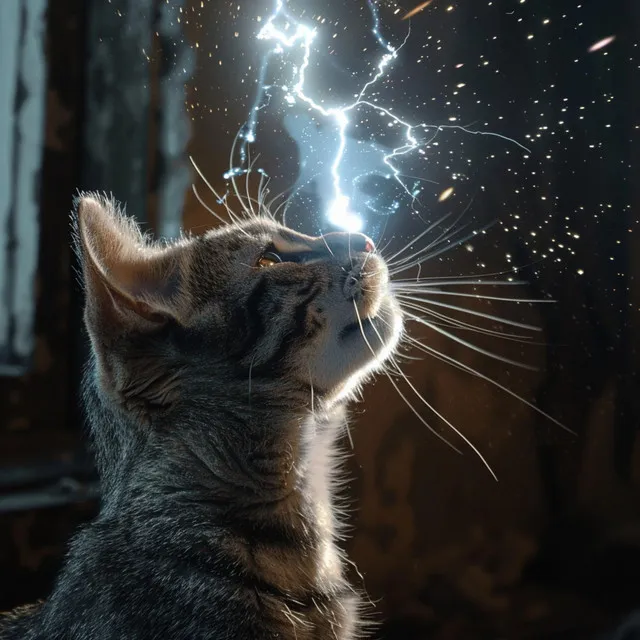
553,548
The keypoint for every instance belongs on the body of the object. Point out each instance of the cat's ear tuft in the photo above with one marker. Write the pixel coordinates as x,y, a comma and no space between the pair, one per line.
129,283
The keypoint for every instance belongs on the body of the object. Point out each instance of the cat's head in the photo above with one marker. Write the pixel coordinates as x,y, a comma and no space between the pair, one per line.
247,306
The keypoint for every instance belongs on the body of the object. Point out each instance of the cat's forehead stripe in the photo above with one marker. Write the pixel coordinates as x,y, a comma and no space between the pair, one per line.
286,243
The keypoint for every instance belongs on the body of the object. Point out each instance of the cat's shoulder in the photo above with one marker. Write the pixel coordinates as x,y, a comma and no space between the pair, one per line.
16,623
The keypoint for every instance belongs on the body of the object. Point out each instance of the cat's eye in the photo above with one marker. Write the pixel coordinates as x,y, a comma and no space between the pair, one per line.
268,259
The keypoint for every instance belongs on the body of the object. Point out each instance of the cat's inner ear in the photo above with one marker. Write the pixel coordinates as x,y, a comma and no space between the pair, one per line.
127,281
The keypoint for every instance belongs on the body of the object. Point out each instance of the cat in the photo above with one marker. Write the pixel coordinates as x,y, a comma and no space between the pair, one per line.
220,369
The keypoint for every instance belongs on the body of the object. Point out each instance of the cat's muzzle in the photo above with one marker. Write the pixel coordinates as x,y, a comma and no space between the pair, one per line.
365,283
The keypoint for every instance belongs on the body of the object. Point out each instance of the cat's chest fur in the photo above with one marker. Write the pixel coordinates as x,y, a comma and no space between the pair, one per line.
160,570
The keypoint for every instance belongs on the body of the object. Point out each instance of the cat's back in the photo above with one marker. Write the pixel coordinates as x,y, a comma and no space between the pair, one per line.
20,623
117,588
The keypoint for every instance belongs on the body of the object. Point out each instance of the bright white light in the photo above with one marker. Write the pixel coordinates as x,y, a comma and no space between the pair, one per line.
341,215
295,34
289,34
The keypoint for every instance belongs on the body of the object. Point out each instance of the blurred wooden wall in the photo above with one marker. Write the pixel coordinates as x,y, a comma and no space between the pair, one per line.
445,551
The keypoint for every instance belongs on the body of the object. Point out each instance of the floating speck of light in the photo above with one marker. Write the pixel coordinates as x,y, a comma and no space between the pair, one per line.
446,194
601,44
416,10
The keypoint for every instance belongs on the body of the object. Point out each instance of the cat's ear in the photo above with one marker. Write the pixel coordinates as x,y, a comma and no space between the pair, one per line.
129,284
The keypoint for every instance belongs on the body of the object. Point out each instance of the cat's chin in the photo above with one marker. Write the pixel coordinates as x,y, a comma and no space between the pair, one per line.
380,333
360,349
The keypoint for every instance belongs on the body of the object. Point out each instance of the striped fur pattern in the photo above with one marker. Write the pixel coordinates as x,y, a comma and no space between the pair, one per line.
221,366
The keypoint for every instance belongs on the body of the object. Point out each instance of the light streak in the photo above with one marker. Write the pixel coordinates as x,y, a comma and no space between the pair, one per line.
446,194
286,33
601,44
416,10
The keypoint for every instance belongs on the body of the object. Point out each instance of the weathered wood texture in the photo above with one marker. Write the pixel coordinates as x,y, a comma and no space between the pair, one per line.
22,106
115,121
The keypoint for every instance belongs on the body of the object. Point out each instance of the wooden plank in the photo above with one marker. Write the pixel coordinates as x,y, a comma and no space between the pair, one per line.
9,39
30,143
22,105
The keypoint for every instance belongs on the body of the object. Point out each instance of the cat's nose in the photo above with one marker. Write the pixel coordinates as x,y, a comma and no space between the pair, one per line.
348,242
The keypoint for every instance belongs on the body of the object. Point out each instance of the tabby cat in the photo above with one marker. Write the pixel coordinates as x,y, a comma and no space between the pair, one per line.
216,390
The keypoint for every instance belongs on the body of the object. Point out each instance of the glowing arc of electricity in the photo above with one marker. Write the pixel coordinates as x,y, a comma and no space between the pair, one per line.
339,210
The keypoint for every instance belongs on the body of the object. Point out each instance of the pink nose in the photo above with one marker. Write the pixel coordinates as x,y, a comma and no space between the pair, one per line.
349,241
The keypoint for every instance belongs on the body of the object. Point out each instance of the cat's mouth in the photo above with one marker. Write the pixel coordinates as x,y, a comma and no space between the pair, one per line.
355,328
376,328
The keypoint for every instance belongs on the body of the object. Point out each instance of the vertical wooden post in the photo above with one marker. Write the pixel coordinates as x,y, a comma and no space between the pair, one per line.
22,104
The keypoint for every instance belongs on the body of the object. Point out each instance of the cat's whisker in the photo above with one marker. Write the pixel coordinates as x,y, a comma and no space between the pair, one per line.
422,255
366,259
395,261
448,233
285,209
380,251
406,356
418,237
430,291
348,431
248,197
447,422
381,235
395,386
281,206
193,188
376,272
263,192
472,312
434,254
467,344
261,210
257,212
442,357
435,412
229,211
443,320
294,619
466,326
234,185
333,255
206,206
222,200
427,284
247,200
471,277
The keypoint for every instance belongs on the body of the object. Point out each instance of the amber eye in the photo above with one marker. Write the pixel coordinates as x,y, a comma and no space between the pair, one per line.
268,259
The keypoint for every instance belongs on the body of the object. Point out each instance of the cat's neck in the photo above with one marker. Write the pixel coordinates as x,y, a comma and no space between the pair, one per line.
268,514
286,476
258,461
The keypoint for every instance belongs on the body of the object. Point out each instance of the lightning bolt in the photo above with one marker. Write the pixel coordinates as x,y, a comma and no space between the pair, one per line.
286,33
